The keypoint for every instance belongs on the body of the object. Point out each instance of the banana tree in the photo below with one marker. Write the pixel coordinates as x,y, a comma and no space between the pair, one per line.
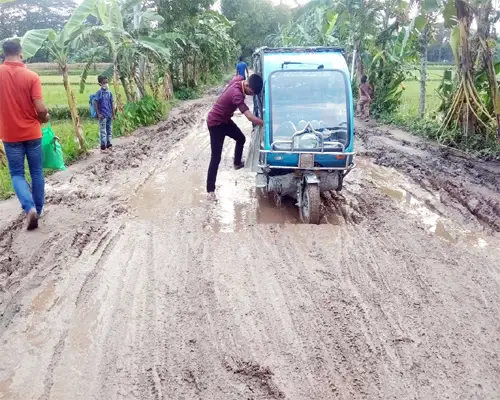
114,33
356,25
312,28
59,46
468,109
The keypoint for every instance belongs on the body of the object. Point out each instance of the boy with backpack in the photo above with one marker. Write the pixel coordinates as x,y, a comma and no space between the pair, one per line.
105,112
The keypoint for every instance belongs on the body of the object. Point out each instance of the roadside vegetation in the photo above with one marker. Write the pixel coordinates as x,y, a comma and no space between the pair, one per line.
434,64
152,60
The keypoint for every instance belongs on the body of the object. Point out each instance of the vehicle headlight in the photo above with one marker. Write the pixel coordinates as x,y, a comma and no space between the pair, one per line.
308,141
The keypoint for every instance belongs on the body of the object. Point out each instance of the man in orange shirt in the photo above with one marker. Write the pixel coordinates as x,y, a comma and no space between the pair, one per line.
22,111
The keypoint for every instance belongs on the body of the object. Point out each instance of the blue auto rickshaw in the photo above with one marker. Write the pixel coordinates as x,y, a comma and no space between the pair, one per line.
306,146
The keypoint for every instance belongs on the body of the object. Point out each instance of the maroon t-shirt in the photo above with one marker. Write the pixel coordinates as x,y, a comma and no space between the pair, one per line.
232,98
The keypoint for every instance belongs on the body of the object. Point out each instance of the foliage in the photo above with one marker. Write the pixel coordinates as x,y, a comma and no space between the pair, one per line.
201,47
64,113
487,148
174,11
445,90
186,93
312,28
387,75
255,21
145,112
16,18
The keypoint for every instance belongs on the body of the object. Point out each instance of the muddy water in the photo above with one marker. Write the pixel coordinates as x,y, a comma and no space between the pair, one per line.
156,293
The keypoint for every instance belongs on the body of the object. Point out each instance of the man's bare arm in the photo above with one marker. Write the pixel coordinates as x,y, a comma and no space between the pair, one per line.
253,119
41,109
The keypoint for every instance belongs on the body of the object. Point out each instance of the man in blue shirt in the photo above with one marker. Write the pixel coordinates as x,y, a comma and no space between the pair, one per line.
105,110
242,68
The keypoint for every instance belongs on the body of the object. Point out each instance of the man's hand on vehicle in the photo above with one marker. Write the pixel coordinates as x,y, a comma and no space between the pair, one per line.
253,119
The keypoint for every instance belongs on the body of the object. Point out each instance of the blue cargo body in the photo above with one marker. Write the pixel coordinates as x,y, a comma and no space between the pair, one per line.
306,146
316,66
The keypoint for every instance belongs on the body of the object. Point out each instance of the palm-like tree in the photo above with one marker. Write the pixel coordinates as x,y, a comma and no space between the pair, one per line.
60,45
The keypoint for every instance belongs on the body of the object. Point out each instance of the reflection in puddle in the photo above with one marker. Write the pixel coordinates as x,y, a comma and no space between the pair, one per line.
82,332
240,206
434,222
44,298
5,392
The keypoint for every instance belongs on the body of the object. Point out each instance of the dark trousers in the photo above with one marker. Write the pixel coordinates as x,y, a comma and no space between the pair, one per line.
217,135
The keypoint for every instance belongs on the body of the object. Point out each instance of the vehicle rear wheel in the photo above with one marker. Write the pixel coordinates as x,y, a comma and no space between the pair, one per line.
311,204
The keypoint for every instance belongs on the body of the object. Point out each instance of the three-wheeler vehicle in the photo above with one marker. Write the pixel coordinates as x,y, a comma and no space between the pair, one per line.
306,146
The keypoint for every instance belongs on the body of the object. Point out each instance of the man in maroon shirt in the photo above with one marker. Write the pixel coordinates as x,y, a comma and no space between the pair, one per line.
221,125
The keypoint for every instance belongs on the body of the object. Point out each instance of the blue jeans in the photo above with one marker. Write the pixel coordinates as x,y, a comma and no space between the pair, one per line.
16,152
105,131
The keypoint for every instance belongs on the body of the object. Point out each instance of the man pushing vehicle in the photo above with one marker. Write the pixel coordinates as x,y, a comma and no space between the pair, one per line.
221,125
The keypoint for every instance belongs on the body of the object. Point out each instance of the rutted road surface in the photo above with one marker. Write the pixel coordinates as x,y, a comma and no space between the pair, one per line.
136,287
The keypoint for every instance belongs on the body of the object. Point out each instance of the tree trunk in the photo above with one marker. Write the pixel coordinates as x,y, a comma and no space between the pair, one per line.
73,110
126,88
185,73
464,20
360,68
484,33
168,87
118,95
423,70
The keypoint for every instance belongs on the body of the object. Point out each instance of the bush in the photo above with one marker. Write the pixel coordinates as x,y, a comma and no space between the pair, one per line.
61,113
145,112
186,93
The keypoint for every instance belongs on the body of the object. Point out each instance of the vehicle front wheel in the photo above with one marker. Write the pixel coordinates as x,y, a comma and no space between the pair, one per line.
311,204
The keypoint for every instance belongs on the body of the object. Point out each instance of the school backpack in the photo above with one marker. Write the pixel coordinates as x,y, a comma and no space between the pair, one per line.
93,112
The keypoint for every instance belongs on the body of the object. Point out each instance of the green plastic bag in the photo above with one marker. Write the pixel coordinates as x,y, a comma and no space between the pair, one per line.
52,150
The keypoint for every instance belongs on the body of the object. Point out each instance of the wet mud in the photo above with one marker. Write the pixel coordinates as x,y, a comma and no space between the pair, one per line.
137,287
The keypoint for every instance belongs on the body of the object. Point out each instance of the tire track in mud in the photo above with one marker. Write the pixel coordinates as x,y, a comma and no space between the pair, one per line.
80,197
175,297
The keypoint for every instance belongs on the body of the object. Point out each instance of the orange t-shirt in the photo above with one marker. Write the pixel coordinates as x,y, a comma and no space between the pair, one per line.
18,117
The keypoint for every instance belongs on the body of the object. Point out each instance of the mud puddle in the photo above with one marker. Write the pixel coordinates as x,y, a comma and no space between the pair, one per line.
419,203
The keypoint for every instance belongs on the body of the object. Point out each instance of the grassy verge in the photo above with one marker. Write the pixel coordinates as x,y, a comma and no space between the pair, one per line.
479,146
63,130
411,99
55,95
428,127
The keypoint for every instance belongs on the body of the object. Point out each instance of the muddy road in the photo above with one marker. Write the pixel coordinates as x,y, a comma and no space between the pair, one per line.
136,287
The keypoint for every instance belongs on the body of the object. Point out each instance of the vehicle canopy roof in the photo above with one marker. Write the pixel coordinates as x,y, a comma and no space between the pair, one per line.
268,60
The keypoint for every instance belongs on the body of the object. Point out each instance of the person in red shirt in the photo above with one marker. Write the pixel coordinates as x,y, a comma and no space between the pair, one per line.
22,111
221,125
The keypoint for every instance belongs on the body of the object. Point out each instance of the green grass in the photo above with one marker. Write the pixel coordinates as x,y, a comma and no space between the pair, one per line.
5,183
64,131
55,95
411,98
73,79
